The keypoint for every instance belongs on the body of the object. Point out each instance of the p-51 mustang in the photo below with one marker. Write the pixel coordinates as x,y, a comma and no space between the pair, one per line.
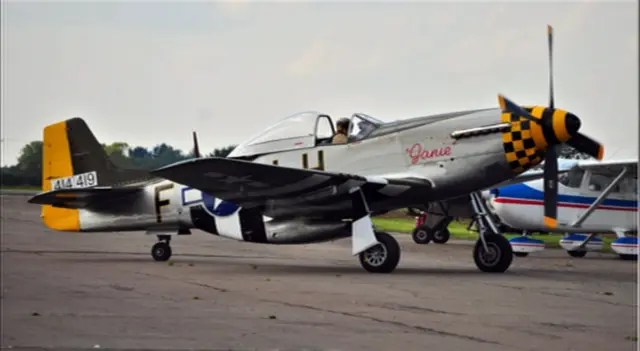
290,185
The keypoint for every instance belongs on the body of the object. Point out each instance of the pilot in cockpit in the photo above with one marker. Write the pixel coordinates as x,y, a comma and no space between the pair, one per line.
342,127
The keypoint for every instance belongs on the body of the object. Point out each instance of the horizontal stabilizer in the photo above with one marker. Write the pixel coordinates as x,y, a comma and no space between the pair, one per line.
82,198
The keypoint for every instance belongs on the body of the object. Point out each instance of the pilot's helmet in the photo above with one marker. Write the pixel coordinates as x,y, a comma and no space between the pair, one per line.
343,122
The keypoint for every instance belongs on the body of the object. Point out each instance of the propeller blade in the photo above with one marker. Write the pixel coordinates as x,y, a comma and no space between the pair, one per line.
550,37
508,106
196,149
551,188
587,145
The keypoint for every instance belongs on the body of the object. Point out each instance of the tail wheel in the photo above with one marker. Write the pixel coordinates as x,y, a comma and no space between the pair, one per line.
422,234
382,258
441,236
497,258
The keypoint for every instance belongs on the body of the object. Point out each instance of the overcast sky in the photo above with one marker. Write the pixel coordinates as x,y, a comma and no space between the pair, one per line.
147,73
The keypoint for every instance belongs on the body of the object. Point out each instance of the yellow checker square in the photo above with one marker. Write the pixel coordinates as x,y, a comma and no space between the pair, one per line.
518,145
516,127
524,161
526,134
507,138
511,156
530,152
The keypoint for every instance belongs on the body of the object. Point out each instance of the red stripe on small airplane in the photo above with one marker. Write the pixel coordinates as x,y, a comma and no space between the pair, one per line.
504,200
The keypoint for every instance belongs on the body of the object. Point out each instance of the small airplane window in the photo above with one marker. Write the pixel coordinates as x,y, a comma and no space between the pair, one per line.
599,182
574,178
563,179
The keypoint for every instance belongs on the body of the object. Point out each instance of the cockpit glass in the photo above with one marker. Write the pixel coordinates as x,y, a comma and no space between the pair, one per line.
294,126
369,118
362,126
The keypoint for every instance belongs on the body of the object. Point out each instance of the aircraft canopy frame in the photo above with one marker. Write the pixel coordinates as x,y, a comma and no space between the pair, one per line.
303,130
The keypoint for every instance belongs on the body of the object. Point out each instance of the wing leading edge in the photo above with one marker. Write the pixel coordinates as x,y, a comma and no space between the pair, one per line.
250,184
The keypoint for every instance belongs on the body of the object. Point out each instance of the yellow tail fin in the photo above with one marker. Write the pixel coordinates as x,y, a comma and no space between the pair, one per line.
57,163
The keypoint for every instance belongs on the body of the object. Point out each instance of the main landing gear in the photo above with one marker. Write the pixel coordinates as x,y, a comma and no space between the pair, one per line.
378,252
438,232
382,258
492,252
161,251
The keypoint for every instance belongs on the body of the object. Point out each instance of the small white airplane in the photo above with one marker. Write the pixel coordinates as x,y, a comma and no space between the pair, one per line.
593,197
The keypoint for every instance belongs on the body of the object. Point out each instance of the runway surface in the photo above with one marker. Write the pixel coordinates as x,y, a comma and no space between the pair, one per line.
68,290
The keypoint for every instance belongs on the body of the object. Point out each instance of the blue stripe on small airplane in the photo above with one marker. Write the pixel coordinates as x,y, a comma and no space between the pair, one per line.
526,192
627,240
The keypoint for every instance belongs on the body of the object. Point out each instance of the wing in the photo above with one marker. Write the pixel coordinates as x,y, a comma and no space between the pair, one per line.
82,198
251,184
525,177
611,168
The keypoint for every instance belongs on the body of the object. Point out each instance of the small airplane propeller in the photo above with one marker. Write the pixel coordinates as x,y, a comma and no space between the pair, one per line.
196,149
577,140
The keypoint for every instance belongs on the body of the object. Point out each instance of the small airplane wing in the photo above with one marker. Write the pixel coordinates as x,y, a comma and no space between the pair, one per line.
81,197
527,176
611,168
251,184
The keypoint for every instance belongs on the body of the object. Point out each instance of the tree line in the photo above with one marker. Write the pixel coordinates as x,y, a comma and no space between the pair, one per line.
28,170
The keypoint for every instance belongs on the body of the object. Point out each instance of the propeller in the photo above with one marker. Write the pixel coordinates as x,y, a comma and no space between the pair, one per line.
196,149
555,124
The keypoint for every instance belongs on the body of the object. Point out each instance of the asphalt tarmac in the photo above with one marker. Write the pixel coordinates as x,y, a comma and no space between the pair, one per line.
71,291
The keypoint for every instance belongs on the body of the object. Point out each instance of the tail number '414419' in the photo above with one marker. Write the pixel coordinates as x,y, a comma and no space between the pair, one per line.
82,180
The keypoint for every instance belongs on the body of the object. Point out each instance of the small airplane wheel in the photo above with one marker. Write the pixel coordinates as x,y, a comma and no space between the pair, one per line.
498,257
422,234
628,257
577,253
382,258
161,251
441,236
521,254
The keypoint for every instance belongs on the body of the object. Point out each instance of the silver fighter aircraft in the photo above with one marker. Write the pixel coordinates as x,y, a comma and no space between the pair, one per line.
290,185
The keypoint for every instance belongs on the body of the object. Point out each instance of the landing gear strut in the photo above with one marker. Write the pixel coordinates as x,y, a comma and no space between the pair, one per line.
382,258
161,251
492,252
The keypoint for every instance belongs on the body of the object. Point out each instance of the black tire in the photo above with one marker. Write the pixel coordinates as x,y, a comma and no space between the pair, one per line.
500,254
161,251
422,234
521,254
441,236
390,250
628,257
577,253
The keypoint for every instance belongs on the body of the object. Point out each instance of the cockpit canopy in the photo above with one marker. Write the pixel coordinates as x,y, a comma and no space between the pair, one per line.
304,130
